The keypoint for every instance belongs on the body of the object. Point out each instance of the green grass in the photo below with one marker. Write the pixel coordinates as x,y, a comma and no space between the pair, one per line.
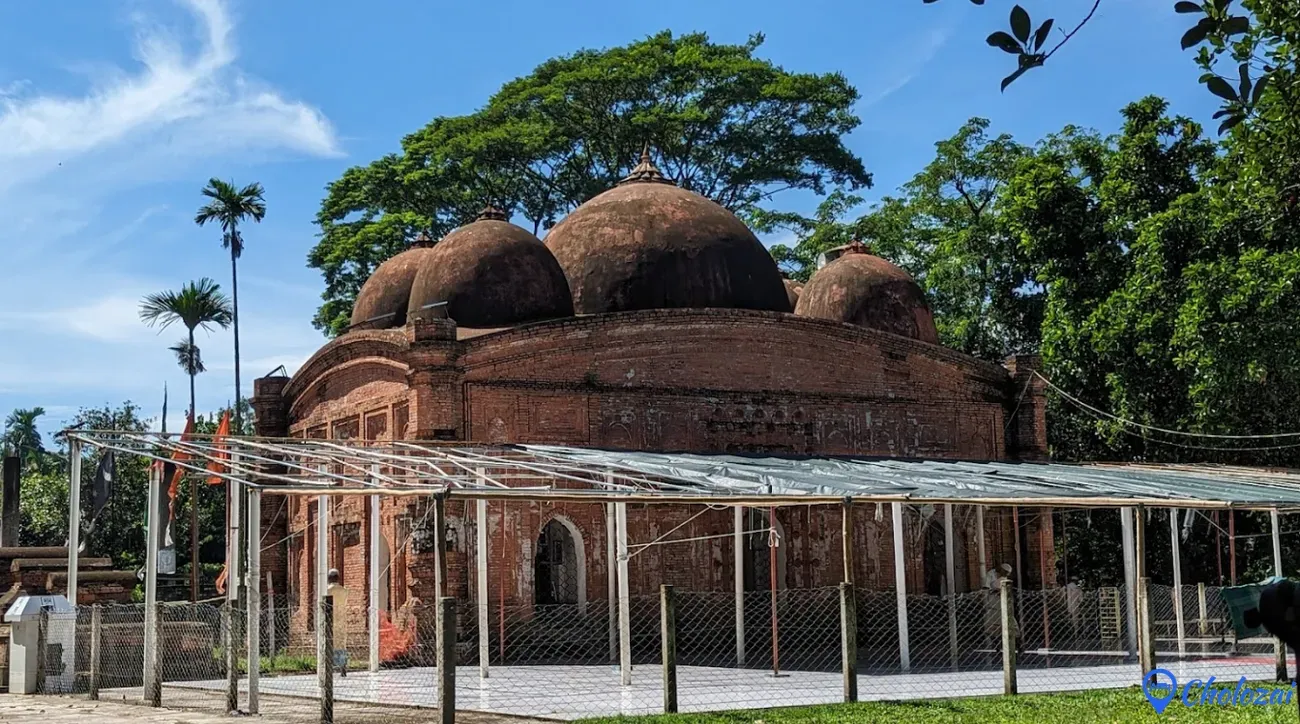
1122,705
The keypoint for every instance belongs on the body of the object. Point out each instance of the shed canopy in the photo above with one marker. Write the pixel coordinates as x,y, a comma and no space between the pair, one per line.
542,472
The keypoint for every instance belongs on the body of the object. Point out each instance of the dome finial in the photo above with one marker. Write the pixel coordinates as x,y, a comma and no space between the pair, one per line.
422,240
491,213
857,247
645,171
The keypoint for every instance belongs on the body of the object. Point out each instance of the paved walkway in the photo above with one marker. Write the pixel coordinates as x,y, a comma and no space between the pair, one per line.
16,709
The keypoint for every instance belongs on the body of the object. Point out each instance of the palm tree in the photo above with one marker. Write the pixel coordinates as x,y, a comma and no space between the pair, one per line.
21,436
231,206
197,304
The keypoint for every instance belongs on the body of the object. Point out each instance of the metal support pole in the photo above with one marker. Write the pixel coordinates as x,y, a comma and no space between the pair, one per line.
1130,578
271,645
738,578
900,587
440,545
376,565
446,660
96,642
235,571
1009,634
1204,627
849,641
1146,644
624,615
979,540
951,571
152,663
325,655
322,544
1279,648
253,621
611,580
74,516
668,646
232,661
1175,546
481,589
772,584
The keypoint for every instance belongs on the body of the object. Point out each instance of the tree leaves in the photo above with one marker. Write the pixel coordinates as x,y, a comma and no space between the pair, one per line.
1184,6
1040,37
1197,33
1004,41
1220,88
1020,23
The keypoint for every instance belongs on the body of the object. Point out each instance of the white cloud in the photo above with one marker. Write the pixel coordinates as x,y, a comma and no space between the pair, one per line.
89,220
922,52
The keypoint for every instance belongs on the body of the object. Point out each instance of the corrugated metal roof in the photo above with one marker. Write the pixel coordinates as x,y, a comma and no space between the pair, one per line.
953,481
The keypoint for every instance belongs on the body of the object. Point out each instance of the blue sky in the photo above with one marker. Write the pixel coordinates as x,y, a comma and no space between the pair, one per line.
114,113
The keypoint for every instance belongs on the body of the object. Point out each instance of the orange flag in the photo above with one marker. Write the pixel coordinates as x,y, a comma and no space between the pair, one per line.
180,456
221,579
223,430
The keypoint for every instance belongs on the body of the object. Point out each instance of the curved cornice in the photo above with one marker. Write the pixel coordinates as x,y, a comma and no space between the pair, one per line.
390,344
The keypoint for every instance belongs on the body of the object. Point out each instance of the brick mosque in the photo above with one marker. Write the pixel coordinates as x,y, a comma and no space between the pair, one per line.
650,319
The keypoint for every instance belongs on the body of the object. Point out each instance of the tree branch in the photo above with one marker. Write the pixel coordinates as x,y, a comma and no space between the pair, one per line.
1077,28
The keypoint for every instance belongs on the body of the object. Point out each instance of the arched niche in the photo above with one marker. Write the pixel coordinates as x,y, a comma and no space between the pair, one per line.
560,565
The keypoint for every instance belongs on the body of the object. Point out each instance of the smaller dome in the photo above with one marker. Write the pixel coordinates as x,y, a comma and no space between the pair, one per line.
491,273
863,289
381,303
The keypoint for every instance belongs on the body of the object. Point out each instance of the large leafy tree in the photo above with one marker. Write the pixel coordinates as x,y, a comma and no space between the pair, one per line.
229,206
21,437
721,120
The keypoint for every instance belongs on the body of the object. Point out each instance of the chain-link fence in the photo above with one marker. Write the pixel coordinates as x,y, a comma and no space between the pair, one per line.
569,661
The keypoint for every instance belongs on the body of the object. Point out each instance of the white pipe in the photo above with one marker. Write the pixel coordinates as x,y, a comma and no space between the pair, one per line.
1175,546
979,540
481,593
235,573
900,584
1130,576
376,565
74,516
624,598
322,576
254,622
1277,542
151,575
951,570
738,543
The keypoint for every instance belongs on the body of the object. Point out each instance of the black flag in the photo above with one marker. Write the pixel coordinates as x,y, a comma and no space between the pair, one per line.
103,490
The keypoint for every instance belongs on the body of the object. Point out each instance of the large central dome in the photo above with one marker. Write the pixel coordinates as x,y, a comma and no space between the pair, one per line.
647,244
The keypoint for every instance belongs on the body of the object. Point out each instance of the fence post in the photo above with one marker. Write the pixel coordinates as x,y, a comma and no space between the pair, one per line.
253,615
849,641
446,660
1146,646
232,658
42,637
153,687
668,645
325,656
1279,648
96,636
950,571
1008,640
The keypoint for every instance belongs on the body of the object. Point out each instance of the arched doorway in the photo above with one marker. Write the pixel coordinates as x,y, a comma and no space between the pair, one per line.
560,565
758,541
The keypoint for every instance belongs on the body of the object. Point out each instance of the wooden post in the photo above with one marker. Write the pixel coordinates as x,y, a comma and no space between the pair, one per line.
446,660
325,655
1232,550
96,642
624,614
900,587
271,644
232,660
611,579
153,527
481,592
1008,640
1279,648
738,580
1130,579
1146,644
849,641
1175,546
440,545
951,572
668,640
375,573
253,624
1204,627
846,537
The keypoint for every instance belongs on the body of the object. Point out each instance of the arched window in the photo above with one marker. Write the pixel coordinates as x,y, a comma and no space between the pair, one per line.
559,567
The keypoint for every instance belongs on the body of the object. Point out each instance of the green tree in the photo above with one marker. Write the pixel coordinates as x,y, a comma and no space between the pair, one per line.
197,304
722,121
21,438
229,206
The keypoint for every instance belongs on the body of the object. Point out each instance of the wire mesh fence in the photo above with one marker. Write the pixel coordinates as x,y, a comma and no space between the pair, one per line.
573,660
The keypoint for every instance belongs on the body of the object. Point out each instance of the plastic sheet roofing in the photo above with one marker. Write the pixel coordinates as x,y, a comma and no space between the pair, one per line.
1087,484
550,472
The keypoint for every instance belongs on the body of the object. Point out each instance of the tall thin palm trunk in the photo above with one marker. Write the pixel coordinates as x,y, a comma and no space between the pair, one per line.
236,575
194,505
